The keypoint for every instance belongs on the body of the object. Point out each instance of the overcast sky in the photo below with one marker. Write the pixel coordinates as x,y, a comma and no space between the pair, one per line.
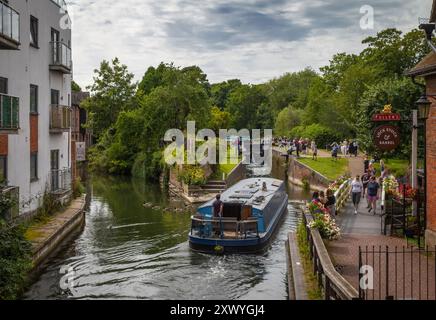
253,40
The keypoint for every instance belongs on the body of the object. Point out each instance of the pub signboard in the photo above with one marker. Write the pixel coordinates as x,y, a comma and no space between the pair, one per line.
386,137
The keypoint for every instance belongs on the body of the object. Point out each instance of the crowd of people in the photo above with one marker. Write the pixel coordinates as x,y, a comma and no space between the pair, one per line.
299,146
366,186
309,147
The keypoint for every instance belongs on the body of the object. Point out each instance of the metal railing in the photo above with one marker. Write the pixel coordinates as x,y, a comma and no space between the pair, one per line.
60,55
228,228
342,195
334,285
9,22
398,273
60,180
9,112
60,118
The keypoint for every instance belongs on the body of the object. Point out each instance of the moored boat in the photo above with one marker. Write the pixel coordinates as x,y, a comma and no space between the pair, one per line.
252,211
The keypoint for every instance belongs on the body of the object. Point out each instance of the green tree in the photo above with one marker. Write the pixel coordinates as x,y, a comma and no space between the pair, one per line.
401,94
220,92
287,119
75,87
113,91
219,119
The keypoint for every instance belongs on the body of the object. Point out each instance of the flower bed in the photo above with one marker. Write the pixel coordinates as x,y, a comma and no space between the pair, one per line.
322,221
338,183
397,191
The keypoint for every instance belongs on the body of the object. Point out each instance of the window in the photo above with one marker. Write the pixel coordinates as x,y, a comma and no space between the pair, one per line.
33,166
3,85
33,32
54,97
33,98
3,170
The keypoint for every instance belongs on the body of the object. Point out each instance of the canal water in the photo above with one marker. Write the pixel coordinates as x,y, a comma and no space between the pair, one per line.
128,251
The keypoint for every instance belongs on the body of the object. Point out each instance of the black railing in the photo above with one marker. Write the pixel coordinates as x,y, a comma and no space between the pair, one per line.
398,273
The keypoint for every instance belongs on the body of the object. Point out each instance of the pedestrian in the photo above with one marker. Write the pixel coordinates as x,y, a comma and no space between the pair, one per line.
356,149
356,192
382,167
315,198
331,202
365,181
322,197
335,149
366,164
218,209
314,150
373,191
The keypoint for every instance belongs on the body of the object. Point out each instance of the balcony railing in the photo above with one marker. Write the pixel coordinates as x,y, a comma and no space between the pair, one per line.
9,27
9,113
60,57
10,195
60,181
60,118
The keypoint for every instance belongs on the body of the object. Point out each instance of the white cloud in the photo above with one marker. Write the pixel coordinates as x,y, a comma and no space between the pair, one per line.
252,40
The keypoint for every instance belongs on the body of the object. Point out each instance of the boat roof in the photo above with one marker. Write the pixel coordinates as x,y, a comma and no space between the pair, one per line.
249,192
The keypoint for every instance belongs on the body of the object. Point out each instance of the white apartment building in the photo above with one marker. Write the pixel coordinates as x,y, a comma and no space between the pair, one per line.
35,101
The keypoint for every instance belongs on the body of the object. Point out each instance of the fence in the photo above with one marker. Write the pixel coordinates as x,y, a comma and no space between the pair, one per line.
342,195
397,274
335,286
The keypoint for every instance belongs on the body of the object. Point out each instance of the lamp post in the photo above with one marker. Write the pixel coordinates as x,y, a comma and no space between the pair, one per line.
424,105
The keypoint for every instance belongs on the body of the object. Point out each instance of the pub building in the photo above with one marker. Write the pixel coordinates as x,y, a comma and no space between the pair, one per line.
426,69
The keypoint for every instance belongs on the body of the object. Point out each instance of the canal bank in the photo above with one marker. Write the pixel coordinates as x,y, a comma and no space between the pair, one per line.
47,237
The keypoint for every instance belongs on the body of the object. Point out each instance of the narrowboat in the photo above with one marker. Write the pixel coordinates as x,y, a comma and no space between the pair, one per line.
252,212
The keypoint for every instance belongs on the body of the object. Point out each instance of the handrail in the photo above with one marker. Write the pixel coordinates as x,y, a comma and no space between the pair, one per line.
335,285
342,195
223,221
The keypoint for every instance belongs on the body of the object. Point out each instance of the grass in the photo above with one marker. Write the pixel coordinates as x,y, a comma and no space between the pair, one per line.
396,167
313,289
327,166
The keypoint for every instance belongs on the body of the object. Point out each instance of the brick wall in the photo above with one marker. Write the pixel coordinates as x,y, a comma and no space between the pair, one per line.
431,156
3,145
33,133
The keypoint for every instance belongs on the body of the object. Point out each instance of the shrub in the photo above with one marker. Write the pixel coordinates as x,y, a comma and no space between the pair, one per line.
78,188
15,260
192,175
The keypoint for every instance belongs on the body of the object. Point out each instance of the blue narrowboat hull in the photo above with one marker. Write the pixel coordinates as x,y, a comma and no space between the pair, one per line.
242,246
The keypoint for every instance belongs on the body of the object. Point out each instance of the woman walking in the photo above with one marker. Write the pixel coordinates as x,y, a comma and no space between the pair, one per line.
356,192
373,188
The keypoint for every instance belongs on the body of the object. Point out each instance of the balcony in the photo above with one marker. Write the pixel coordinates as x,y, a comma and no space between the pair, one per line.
60,57
9,195
9,114
60,118
9,27
60,182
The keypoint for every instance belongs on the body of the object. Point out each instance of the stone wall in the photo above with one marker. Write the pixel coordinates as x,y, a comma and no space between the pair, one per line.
298,173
